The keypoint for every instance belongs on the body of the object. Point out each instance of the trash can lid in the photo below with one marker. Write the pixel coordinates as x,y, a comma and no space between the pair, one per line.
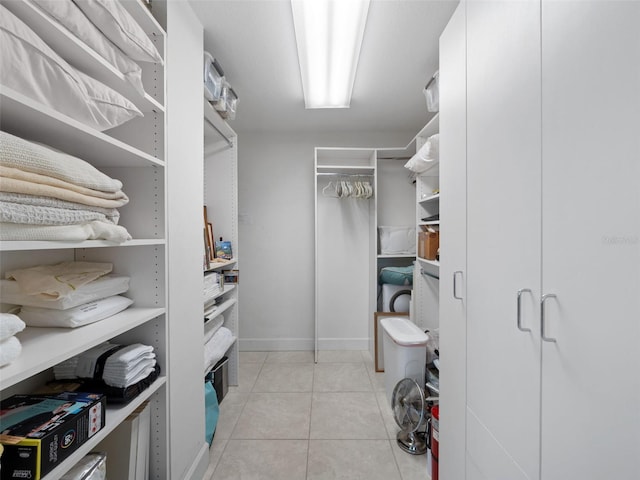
403,331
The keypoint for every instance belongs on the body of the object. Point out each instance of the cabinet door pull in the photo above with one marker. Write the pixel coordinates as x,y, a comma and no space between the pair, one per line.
455,290
519,310
542,319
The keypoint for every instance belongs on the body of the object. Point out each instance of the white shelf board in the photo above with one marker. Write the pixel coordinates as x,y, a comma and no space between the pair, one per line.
345,169
114,416
400,255
436,222
215,127
43,348
78,54
227,288
431,198
18,245
143,17
219,266
431,128
223,307
26,118
432,263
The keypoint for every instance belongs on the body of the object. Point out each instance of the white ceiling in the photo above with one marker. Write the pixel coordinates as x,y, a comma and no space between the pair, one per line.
254,41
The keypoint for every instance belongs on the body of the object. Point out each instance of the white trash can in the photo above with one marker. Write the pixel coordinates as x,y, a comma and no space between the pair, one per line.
404,347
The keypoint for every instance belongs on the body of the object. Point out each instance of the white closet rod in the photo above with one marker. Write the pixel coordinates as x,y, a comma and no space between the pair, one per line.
229,142
344,174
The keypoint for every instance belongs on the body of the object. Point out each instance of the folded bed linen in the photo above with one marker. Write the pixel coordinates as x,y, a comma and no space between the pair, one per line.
75,317
102,287
13,185
67,14
37,215
111,214
211,327
215,348
124,381
16,152
94,230
10,324
17,174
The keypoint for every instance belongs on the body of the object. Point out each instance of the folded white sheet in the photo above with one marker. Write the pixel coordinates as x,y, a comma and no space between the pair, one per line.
100,288
95,230
111,214
10,349
128,355
131,379
33,215
75,317
57,280
10,325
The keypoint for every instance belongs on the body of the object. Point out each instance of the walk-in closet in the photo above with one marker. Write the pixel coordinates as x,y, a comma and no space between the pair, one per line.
319,239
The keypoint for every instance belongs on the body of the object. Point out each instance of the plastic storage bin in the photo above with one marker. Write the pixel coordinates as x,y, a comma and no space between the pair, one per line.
213,78
405,351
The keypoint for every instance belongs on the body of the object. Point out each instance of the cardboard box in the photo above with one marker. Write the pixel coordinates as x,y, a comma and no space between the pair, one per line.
40,431
428,244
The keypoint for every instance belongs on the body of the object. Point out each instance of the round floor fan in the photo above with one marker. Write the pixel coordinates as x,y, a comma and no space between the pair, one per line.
409,411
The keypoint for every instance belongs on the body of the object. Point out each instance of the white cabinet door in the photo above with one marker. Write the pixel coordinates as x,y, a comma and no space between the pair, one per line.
591,240
503,234
453,250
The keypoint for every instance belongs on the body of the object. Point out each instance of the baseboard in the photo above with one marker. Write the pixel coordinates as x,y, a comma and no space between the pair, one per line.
275,344
200,464
301,344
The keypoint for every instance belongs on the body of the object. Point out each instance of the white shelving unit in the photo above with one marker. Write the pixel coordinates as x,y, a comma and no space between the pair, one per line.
221,199
135,154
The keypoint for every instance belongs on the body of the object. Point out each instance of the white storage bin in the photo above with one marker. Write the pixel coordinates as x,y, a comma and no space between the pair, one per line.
404,346
432,93
213,78
397,240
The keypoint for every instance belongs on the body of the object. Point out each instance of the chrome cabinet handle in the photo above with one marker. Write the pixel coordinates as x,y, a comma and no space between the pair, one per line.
542,319
519,310
455,290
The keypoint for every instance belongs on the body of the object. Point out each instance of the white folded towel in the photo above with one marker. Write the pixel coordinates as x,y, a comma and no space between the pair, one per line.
10,325
10,349
130,380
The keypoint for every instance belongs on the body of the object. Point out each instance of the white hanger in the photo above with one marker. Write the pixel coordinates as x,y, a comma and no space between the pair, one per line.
333,193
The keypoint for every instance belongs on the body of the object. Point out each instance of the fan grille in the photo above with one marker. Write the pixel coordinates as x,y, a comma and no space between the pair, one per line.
408,405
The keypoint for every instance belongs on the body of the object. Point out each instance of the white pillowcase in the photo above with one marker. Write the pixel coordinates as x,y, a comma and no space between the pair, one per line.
10,325
426,155
71,17
75,317
33,69
121,28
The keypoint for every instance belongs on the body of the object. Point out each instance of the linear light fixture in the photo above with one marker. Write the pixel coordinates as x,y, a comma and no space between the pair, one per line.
329,36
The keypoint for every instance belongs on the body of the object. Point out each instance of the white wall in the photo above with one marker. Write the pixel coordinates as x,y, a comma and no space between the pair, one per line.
276,209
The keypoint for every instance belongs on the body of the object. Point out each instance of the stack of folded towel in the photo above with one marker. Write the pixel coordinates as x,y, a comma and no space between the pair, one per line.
119,371
67,294
46,194
10,347
211,287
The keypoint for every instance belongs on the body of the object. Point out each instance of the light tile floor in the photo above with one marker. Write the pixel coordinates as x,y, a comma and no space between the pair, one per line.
291,419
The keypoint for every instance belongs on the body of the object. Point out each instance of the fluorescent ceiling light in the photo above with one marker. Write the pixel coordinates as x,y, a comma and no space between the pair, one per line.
329,36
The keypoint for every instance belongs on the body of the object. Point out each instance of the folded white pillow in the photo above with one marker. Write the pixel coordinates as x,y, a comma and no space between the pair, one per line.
426,155
71,17
100,288
75,317
10,325
10,349
121,28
